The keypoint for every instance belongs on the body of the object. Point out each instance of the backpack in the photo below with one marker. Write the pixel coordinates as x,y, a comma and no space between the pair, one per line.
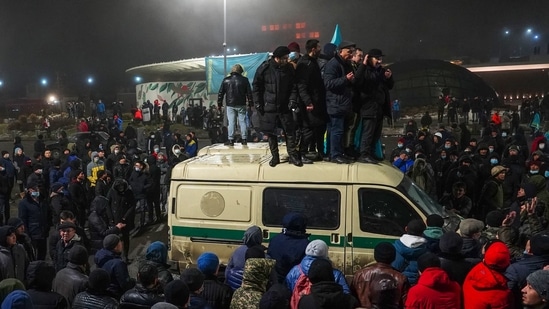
302,287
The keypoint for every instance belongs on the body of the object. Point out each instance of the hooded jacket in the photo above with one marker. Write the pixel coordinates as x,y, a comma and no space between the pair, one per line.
254,283
485,286
121,204
18,261
17,300
408,249
157,255
117,269
434,290
40,277
99,222
288,247
235,266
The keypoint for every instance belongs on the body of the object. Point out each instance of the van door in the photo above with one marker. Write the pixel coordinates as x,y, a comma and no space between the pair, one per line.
379,213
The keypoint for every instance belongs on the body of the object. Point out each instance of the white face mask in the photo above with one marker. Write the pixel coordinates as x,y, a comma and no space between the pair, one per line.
541,146
177,151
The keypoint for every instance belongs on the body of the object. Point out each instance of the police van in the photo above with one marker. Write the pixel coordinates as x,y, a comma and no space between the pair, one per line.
217,195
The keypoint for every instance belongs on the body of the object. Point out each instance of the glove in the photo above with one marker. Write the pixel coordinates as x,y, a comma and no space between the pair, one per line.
259,109
293,106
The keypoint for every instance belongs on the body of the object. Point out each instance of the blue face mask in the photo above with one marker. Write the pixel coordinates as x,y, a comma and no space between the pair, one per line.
494,161
447,147
546,174
35,194
491,150
443,157
533,172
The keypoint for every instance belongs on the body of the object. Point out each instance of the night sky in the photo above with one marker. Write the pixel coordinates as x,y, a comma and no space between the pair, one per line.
74,39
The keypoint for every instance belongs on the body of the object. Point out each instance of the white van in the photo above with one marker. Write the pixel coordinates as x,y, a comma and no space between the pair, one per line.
217,195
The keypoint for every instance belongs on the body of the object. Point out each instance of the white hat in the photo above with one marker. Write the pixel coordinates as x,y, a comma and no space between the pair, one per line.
317,248
438,134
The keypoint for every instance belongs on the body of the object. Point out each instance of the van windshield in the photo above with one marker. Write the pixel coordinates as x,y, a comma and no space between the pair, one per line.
422,200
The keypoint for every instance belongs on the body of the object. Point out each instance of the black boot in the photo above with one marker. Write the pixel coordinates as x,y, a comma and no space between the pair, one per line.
295,160
273,146
229,143
306,160
244,142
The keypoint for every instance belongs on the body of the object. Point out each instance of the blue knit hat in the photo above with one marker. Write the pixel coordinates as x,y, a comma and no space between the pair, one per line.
207,263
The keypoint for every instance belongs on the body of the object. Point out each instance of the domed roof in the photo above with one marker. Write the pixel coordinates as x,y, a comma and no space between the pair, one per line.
420,82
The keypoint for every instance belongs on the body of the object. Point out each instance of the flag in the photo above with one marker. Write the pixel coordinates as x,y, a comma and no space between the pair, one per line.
215,67
336,39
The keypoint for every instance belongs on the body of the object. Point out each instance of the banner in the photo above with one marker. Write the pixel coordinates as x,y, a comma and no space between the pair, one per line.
214,68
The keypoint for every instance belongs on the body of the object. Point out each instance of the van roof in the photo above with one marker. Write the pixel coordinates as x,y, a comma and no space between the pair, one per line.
251,164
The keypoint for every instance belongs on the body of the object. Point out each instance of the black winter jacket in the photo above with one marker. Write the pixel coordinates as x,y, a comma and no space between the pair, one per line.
237,90
339,91
311,91
121,204
70,281
274,87
89,300
217,294
35,216
327,295
141,297
139,183
99,222
456,266
373,91
47,300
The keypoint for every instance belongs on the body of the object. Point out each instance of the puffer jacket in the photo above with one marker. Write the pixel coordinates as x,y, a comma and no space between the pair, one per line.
13,259
118,272
237,90
141,297
434,290
139,183
254,283
87,300
70,281
311,91
327,295
235,266
157,255
99,222
485,286
274,87
364,279
35,217
339,90
373,90
121,204
408,249
295,272
456,266
63,250
217,294
517,273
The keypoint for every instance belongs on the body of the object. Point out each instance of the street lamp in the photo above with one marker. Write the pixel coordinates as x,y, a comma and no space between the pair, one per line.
137,79
44,82
90,80
225,38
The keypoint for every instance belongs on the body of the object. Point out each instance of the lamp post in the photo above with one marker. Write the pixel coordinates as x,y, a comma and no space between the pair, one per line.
224,38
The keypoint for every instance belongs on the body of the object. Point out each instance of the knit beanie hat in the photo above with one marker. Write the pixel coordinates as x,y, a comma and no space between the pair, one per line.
435,220
193,278
539,244
450,243
15,222
208,263
530,189
494,218
99,280
18,299
177,293
78,255
321,270
384,252
277,297
111,241
317,248
255,252
539,281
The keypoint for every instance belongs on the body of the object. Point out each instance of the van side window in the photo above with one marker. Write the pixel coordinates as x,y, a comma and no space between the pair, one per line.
384,212
320,206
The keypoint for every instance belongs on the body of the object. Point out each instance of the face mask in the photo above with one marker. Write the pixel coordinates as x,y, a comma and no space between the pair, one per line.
494,161
152,136
35,194
38,172
503,134
177,151
116,151
400,145
160,159
490,150
541,146
447,147
96,159
546,174
137,169
443,157
534,172
156,150
2,169
408,150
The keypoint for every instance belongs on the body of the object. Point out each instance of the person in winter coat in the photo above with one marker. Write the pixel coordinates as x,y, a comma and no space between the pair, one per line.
194,279
288,247
59,202
68,240
13,259
254,283
485,286
217,294
235,267
109,259
153,192
491,196
146,293
34,213
72,279
470,230
325,291
99,226
139,182
510,237
40,276
368,282
422,175
433,232
96,295
157,255
458,202
176,294
78,195
22,238
451,259
535,258
17,299
121,209
409,248
122,169
316,249
434,288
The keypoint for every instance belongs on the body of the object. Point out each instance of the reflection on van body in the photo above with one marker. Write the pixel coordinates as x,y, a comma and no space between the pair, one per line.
216,196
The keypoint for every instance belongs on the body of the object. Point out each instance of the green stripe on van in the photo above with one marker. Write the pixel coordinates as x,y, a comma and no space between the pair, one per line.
236,235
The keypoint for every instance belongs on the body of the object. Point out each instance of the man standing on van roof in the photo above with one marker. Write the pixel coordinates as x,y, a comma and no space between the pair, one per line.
274,91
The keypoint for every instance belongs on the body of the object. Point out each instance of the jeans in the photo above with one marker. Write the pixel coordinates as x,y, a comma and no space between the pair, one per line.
336,127
232,113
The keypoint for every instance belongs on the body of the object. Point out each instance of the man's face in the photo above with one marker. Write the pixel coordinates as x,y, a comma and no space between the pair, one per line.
20,230
460,192
513,152
47,154
376,61
11,239
282,60
501,176
317,50
119,247
530,297
358,56
81,176
346,53
67,234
